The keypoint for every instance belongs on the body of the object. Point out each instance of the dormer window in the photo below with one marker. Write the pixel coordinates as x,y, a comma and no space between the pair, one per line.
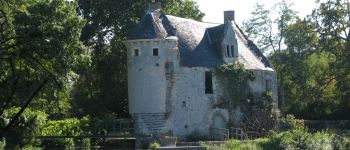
232,51
155,51
228,50
136,52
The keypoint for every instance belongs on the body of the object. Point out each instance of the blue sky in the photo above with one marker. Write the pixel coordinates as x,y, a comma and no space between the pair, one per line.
213,9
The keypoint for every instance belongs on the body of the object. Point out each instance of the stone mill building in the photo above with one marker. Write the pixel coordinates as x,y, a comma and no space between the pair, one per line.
172,84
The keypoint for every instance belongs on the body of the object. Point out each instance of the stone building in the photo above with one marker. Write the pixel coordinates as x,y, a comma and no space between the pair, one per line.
172,84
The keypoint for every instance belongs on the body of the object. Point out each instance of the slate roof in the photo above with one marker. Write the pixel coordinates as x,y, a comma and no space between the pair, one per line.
199,42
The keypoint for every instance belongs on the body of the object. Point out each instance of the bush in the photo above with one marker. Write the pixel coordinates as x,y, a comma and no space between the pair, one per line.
67,127
340,143
154,145
27,128
236,145
293,139
291,123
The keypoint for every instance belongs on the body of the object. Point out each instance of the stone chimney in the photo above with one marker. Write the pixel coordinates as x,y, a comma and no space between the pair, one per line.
229,16
156,6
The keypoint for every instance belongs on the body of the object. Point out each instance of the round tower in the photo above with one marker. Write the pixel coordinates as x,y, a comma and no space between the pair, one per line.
151,64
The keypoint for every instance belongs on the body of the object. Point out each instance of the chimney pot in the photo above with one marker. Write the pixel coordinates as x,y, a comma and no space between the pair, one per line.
229,16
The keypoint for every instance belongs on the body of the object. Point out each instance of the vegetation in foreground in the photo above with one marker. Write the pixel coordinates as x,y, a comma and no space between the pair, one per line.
293,139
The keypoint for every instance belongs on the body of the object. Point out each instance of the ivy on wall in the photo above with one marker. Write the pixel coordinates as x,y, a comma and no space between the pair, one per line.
236,79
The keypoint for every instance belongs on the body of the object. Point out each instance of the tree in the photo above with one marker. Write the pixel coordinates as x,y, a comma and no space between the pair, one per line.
261,27
183,8
259,22
39,49
102,89
312,62
332,19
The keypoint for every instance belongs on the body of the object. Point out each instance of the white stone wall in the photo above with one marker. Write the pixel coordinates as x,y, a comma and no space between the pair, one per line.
146,75
192,106
258,86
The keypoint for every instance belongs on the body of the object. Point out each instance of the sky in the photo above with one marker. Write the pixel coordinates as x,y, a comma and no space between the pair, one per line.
213,9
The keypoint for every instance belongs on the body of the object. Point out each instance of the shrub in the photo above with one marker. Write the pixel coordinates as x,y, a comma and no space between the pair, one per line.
293,139
154,145
236,145
67,127
27,128
340,143
290,123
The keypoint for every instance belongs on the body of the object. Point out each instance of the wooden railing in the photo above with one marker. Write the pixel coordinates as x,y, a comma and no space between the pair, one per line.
238,133
220,134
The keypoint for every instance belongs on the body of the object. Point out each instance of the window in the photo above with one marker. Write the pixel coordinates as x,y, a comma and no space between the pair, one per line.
136,52
228,50
155,51
208,83
268,85
232,51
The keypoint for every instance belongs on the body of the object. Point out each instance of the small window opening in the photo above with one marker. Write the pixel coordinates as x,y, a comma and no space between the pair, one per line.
268,85
155,51
136,52
232,51
228,50
208,83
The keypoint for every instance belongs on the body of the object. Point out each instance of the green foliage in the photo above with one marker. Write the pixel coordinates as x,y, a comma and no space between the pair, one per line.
310,57
39,40
99,125
236,79
291,123
183,8
260,21
292,139
236,145
26,129
66,127
154,145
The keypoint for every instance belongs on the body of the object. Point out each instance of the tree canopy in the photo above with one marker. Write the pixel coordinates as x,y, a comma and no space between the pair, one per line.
310,55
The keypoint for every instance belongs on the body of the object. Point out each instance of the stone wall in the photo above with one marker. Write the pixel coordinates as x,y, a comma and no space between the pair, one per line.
192,105
258,86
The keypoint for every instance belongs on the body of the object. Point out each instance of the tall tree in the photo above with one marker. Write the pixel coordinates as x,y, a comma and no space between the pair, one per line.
311,57
332,19
259,28
39,48
270,33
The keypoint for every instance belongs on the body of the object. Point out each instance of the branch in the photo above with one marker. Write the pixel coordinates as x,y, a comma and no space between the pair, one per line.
26,104
270,39
7,102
